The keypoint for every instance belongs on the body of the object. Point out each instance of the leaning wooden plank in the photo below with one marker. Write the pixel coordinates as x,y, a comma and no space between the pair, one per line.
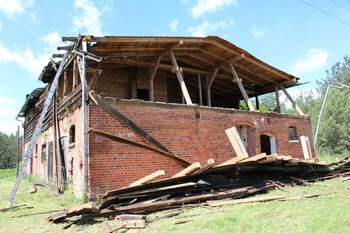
247,200
254,158
207,165
236,142
130,142
148,178
305,144
99,101
188,170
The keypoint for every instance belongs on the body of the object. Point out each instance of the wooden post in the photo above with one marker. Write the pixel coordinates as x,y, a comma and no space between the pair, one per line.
153,72
278,104
200,90
238,81
209,83
295,106
132,81
180,78
75,73
257,102
65,84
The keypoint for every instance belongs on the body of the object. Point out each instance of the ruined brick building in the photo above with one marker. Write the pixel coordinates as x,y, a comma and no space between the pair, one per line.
164,101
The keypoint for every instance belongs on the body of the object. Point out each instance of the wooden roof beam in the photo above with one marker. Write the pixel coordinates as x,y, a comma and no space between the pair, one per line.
263,66
238,81
180,78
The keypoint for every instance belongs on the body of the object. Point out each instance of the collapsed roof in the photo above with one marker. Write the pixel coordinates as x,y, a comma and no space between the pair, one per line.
208,56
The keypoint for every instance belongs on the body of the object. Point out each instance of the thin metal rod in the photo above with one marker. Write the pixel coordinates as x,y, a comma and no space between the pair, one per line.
323,103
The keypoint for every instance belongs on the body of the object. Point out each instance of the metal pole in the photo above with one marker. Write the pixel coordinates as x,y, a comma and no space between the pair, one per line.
323,103
83,123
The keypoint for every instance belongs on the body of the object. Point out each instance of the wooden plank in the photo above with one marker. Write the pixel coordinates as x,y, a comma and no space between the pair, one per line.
237,80
130,142
248,200
305,144
230,162
188,170
126,217
134,224
269,159
254,158
236,142
168,203
295,106
180,79
153,190
207,165
148,178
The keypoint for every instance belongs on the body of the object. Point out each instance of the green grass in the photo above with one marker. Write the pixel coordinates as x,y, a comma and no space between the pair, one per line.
326,213
329,212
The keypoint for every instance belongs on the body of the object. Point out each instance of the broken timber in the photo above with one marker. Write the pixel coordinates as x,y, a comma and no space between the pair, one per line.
130,142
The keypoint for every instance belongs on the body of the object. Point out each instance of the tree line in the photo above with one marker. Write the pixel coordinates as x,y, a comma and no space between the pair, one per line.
8,150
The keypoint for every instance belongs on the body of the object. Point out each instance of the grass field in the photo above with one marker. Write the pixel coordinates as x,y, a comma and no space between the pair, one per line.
329,212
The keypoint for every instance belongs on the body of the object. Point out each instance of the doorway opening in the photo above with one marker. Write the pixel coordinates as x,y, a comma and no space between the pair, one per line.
267,144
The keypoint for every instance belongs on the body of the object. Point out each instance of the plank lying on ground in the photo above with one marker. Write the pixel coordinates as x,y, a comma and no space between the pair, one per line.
177,186
247,200
148,178
254,158
159,205
188,170
133,143
206,166
269,159
230,162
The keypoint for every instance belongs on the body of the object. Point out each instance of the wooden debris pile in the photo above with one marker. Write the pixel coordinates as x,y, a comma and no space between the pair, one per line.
202,183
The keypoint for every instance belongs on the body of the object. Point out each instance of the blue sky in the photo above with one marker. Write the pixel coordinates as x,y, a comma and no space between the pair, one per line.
291,35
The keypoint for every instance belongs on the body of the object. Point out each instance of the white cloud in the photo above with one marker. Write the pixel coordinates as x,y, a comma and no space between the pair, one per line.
0,25
52,38
205,28
173,25
13,7
258,33
315,58
10,8
88,19
208,6
8,113
24,58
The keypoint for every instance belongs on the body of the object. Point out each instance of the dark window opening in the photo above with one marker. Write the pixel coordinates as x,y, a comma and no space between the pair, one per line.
265,144
143,94
292,133
72,134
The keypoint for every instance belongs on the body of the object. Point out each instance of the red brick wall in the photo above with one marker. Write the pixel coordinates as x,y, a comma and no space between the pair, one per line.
114,165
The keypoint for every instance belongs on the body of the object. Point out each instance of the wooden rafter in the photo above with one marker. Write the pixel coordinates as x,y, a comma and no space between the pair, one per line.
237,80
295,106
180,79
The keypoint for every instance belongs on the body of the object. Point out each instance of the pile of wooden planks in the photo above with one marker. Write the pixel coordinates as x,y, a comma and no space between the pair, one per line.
200,183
